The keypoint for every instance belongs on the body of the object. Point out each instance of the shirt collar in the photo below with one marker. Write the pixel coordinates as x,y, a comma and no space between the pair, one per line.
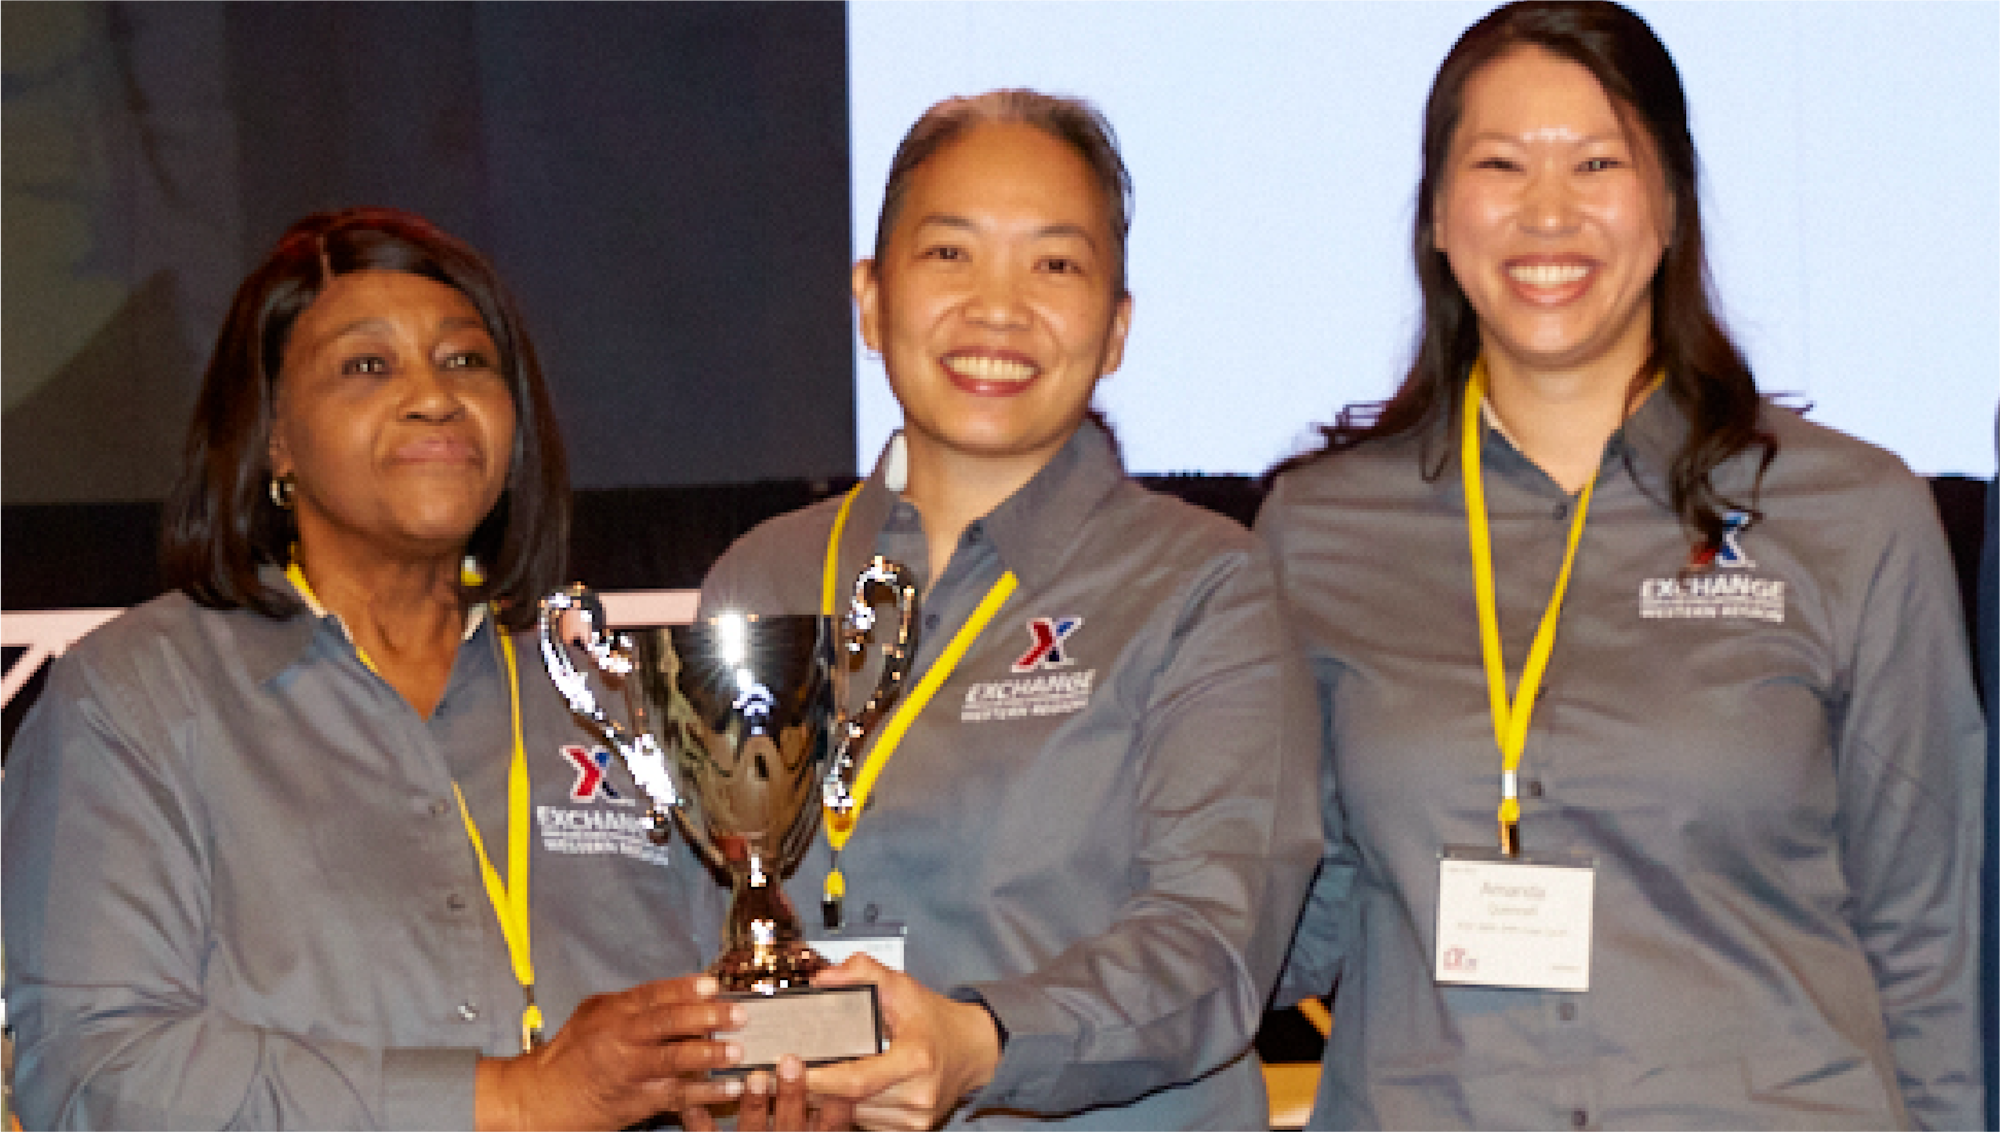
1651,437
1035,527
271,645
1648,440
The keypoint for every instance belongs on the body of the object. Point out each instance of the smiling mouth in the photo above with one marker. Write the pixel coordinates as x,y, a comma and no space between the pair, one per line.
1547,274
985,367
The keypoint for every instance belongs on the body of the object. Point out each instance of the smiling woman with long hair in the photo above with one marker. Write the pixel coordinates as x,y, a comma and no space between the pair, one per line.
1647,701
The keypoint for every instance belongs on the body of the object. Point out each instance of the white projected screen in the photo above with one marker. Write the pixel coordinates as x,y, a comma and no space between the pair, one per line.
1851,155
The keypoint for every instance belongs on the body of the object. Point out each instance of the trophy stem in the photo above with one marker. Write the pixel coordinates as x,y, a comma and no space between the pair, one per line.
766,951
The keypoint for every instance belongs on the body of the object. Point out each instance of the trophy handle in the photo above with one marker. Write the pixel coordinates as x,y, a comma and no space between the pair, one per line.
881,580
613,657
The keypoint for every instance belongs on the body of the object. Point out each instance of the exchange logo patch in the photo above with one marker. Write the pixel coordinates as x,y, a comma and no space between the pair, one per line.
591,784
1729,556
1039,686
1703,591
1050,634
586,829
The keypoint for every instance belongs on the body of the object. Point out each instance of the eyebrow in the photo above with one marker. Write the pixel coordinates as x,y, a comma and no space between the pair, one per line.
960,223
376,322
1587,139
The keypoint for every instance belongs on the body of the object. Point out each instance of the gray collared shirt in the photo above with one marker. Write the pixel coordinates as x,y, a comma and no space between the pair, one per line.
1108,840
1773,758
239,893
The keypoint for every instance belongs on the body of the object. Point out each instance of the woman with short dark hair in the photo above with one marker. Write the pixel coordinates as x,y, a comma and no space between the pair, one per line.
307,841
1647,701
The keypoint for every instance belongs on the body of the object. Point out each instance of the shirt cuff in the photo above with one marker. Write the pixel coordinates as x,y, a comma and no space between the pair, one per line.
429,1088
1036,1043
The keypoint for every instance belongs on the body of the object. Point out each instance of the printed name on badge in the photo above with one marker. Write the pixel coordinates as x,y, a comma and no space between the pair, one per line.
1509,922
880,942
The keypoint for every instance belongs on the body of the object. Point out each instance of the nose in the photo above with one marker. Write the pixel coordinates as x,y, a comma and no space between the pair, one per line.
996,301
1548,202
432,394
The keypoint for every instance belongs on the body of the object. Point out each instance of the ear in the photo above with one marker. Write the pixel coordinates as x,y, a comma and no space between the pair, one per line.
867,297
276,450
1114,343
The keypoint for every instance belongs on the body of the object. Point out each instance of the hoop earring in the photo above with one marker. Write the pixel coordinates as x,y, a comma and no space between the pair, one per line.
283,491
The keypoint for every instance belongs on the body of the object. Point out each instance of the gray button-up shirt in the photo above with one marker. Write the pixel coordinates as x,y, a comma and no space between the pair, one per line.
1104,823
238,891
1774,759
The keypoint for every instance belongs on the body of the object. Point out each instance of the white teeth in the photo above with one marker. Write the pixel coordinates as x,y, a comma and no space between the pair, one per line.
982,368
1548,274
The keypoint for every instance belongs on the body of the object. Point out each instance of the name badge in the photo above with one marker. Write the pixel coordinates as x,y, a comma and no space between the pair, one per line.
1514,921
880,942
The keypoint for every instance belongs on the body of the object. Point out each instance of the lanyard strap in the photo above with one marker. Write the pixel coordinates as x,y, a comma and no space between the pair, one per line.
839,825
1510,721
829,580
510,902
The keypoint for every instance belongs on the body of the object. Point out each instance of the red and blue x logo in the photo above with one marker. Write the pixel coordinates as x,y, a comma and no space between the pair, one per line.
1050,634
591,782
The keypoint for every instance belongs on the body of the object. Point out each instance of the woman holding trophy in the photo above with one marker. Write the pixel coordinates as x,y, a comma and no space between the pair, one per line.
1090,819
305,842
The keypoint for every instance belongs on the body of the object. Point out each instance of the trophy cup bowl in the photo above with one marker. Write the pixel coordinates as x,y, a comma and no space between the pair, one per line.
736,735
744,708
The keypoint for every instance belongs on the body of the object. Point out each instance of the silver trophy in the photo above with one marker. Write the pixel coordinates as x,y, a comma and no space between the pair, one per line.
737,735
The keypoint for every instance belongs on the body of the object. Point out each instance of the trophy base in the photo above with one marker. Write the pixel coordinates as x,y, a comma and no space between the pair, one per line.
818,1025
767,968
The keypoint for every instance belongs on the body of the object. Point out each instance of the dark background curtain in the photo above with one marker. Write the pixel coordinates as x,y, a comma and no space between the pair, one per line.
664,187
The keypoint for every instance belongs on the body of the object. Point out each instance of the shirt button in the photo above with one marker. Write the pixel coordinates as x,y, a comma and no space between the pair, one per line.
455,902
1535,791
1567,1011
1560,510
930,622
439,808
1579,1118
468,1012
871,913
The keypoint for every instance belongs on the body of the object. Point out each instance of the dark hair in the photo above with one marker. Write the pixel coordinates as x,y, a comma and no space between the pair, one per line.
219,522
1706,376
1069,120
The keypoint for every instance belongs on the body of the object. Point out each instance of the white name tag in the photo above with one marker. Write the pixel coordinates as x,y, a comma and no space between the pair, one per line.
1513,922
880,942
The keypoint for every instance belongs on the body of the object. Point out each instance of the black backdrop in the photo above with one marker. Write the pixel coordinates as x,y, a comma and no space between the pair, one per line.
664,186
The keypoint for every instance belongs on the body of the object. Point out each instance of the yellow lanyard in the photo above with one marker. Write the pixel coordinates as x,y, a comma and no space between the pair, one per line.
839,825
1510,721
510,903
